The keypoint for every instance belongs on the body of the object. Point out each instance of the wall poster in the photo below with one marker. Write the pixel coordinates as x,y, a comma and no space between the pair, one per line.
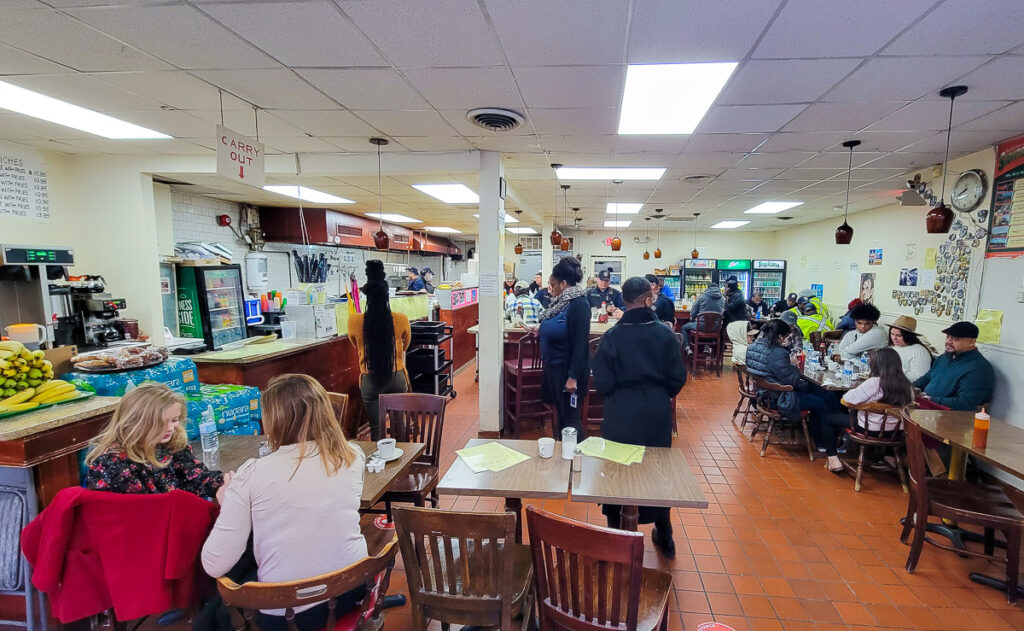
867,288
1006,224
908,277
875,256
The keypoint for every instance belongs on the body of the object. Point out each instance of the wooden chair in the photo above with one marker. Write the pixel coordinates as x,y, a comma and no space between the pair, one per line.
964,502
523,375
415,418
374,572
773,419
593,403
888,439
464,568
817,342
340,404
748,397
708,334
592,578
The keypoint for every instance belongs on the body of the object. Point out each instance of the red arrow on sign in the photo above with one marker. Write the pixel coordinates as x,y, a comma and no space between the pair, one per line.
241,172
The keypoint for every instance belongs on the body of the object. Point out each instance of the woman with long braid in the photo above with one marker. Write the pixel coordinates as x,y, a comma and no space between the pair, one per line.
381,338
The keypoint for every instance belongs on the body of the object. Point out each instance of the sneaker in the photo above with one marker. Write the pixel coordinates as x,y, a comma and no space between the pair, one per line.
842,445
887,463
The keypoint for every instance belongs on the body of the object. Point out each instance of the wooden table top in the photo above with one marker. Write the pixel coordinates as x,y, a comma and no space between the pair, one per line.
663,478
1005,448
819,378
235,450
537,477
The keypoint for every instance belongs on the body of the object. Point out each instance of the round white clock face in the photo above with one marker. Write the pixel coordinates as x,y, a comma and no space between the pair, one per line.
968,190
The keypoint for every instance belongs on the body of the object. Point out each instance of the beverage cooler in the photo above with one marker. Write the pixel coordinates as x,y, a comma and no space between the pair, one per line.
697,275
769,277
211,305
740,268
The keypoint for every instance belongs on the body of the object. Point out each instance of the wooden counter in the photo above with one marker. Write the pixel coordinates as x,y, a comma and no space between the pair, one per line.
463,342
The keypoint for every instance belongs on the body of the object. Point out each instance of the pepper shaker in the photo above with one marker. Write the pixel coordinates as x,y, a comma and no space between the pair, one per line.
577,459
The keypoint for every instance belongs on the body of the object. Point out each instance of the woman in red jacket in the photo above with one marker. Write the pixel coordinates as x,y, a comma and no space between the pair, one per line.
144,449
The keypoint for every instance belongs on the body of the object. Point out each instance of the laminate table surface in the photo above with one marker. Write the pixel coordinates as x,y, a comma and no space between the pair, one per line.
819,377
537,477
662,478
1005,445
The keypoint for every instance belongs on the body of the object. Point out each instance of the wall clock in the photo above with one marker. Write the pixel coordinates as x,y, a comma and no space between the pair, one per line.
969,190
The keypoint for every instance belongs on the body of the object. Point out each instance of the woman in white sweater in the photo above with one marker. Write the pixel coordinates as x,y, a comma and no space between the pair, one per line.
300,503
867,336
903,338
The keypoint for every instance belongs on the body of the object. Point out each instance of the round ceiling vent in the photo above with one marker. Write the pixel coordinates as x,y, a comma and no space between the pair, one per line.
495,118
699,180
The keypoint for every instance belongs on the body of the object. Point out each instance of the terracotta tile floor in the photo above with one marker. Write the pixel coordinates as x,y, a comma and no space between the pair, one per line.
784,543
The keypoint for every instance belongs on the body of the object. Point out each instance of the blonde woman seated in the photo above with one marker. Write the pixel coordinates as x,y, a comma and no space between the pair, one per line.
300,504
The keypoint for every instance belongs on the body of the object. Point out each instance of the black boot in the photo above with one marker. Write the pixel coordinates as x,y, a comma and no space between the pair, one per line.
662,537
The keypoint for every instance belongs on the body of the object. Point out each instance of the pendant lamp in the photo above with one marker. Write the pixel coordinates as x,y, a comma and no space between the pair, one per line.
519,244
647,237
844,233
565,210
616,241
556,236
381,240
940,218
657,250
694,253
576,223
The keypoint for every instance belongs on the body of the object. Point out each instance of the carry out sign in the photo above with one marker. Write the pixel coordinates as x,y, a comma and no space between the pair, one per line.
239,158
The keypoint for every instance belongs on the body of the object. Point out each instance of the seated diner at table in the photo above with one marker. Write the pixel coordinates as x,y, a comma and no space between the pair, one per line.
737,332
914,353
523,307
665,289
299,505
663,307
812,314
144,449
758,308
795,339
866,336
784,304
637,370
846,323
735,305
886,383
961,378
605,294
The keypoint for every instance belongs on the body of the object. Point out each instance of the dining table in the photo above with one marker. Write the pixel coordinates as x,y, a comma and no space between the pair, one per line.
829,380
537,478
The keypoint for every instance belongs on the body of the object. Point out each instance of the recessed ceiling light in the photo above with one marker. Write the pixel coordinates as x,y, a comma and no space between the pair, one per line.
508,218
729,224
442,230
307,194
617,224
610,173
623,208
770,208
393,217
56,111
523,230
449,193
670,98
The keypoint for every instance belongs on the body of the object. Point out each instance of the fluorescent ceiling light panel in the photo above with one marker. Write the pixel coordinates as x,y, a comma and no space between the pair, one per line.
610,173
310,195
56,111
770,208
442,230
670,98
623,208
449,193
729,224
393,217
522,230
508,218
617,224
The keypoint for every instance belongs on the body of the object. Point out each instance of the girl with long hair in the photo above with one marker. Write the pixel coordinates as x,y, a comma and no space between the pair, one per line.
144,449
299,505
381,338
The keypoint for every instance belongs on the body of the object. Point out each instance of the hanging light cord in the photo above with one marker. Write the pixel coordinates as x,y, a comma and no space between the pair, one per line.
380,193
849,176
949,132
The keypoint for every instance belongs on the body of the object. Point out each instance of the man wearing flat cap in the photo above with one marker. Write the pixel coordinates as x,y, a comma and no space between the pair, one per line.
961,378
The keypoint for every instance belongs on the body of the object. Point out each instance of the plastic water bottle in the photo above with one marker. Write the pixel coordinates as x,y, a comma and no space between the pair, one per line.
847,374
208,431
865,363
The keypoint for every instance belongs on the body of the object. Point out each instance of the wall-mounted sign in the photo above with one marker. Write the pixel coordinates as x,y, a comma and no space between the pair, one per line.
769,265
24,189
734,264
239,158
1006,223
699,263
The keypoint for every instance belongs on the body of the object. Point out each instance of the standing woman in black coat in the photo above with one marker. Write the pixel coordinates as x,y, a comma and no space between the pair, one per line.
638,368
564,336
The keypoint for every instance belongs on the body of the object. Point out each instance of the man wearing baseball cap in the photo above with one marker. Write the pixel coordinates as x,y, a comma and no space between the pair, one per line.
785,304
415,282
961,378
605,293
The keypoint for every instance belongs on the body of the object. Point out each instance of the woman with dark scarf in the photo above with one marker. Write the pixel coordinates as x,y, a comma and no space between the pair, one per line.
564,336
381,338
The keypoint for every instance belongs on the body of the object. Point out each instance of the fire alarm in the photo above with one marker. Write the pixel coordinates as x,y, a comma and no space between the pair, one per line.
223,220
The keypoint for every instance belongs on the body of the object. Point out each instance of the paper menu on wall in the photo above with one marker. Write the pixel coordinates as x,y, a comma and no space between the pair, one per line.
990,325
488,284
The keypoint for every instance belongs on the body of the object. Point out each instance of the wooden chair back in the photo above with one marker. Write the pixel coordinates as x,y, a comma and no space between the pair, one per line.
340,404
459,565
708,323
415,418
744,379
587,577
760,383
888,432
915,459
529,353
593,403
373,572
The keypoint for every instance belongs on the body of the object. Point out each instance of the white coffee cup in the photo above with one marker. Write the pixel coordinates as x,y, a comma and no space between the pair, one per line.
546,447
386,447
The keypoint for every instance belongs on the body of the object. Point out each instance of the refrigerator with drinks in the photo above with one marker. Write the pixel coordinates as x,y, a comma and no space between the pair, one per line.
697,275
211,304
740,268
769,277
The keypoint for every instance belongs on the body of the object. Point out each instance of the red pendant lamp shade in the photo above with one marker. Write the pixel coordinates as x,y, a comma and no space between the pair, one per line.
616,244
381,240
647,255
844,233
940,218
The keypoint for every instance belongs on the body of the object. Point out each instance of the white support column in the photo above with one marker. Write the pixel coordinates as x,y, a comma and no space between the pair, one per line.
491,249
546,251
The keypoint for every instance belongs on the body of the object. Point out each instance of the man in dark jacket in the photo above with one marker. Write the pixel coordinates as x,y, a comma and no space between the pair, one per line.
735,305
664,308
605,293
785,304
961,378
758,307
637,369
709,301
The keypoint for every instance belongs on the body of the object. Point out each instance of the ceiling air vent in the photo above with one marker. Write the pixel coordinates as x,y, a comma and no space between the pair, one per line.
699,180
401,238
349,231
495,118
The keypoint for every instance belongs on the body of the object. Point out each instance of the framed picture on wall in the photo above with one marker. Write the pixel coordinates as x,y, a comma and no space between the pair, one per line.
867,288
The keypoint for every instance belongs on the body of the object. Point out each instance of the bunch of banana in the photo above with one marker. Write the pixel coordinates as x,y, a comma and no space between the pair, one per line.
53,391
21,369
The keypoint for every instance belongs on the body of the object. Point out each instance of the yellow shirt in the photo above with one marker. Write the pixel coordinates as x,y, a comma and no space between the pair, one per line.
403,336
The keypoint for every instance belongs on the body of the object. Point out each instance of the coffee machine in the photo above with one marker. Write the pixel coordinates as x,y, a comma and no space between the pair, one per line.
26,277
98,311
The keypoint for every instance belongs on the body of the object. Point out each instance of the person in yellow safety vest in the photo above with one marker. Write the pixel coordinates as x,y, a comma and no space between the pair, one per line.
812,314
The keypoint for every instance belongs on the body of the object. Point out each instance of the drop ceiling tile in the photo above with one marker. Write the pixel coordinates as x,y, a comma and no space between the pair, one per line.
175,88
960,141
1010,119
407,122
907,161
928,115
951,22
1001,79
757,175
85,91
466,88
698,163
852,29
513,144
902,78
408,33
575,121
571,86
366,88
173,147
802,141
434,143
171,122
737,143
580,144
177,34
299,33
244,122
671,32
810,175
334,122
883,141
748,118
568,32
269,89
669,146
847,117
839,159
784,81
14,62
774,160
63,40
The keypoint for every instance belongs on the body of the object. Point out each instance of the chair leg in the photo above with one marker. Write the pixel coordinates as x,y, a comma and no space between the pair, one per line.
899,469
736,411
1013,536
990,541
387,510
917,543
807,437
908,521
860,469
767,436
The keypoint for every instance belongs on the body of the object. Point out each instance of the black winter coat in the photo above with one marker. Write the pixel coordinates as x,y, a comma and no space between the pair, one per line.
638,368
735,307
665,309
772,363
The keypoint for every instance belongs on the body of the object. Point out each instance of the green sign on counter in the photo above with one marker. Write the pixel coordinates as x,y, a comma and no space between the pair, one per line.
736,264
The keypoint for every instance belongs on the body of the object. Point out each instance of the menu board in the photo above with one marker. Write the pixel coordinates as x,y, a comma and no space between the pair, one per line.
1006,225
24,191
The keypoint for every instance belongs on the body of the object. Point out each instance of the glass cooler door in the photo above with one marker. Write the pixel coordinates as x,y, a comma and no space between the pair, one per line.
224,303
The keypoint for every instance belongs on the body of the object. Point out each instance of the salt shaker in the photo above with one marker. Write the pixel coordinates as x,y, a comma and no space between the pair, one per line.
577,459
568,442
